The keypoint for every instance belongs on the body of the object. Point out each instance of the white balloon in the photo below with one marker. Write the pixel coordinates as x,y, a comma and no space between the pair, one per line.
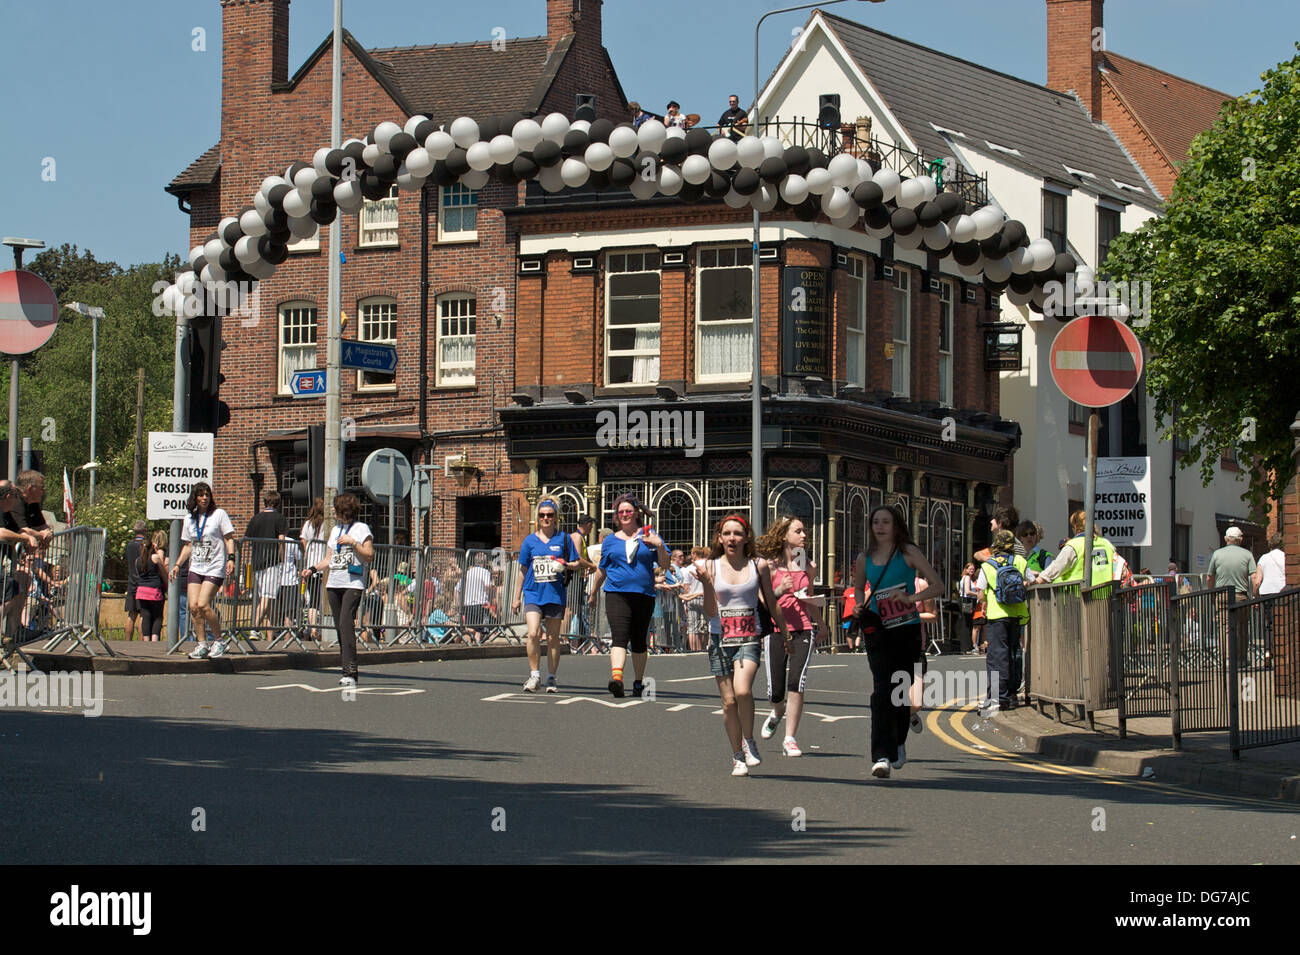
972,270
888,181
849,220
384,134
303,228
188,281
937,236
1043,253
212,272
464,131
929,186
1021,261
551,179
252,223
837,203
865,173
196,253
696,169
749,152
225,223
842,169
624,142
419,163
370,154
574,172
303,179
439,144
794,189
773,148
262,204
474,180
347,195
555,126
884,233
527,133
670,180
645,188
581,125
296,205
987,222
819,181
271,182
733,199
479,156
910,194
765,199
997,270
503,149
212,250
260,269
912,240
413,122
674,132
246,249
651,136
1085,280
963,229
722,153
318,160
598,157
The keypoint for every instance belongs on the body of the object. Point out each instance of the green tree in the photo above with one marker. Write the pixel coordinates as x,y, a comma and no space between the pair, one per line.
1223,337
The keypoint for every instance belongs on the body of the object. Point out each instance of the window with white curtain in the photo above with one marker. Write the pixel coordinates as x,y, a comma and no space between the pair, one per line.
945,344
632,318
297,341
902,361
457,316
855,343
379,221
377,323
724,286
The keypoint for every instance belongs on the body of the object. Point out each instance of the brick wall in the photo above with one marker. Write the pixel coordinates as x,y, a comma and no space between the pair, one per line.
1136,140
1071,60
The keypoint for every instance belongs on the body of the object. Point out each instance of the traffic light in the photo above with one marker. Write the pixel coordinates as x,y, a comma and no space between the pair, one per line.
207,412
309,466
828,110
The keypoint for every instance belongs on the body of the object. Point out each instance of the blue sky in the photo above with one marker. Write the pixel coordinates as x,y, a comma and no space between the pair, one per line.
115,94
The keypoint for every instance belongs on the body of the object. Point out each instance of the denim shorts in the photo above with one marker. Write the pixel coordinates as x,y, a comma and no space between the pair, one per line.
722,659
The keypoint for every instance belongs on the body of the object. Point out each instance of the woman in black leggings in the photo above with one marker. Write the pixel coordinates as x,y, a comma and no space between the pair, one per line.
351,548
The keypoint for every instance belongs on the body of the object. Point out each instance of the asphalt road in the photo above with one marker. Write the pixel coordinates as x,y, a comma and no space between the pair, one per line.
451,762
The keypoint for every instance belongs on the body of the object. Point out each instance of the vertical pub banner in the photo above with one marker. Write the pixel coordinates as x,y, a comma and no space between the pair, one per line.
806,322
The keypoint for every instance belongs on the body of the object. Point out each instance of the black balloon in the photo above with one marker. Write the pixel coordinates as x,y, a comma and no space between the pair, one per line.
796,160
373,187
334,162
424,129
772,169
941,250
524,166
951,205
1015,233
929,214
598,180
276,251
996,246
966,253
232,232
441,175
456,162
816,158
227,261
903,221
600,131
698,141
276,221
355,151
275,195
746,182
808,210
504,172
489,127
385,168
877,217
510,120
674,150
996,288
294,169
716,185
1063,266
401,145
868,195
323,211
322,187
622,172
547,154
691,192
576,143
1022,283
282,236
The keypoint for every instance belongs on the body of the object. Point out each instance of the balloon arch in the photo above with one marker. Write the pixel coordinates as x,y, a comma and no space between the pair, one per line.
755,171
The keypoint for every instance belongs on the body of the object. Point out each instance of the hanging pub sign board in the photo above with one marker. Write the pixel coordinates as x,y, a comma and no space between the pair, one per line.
177,461
1123,502
805,322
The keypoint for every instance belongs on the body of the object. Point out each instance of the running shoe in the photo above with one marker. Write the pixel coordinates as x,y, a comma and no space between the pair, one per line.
750,749
738,767
616,689
917,723
902,757
880,769
638,688
254,635
989,708
769,725
348,681
790,747
218,649
531,684
200,652
550,685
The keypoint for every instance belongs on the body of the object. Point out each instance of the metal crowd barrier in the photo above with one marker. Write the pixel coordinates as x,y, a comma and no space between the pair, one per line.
1264,671
1056,612
53,594
1199,625
1140,644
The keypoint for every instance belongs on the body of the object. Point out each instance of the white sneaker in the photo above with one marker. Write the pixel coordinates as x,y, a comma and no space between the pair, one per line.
738,767
348,681
880,769
218,649
902,757
750,749
790,747
531,684
200,652
769,725
989,709
254,635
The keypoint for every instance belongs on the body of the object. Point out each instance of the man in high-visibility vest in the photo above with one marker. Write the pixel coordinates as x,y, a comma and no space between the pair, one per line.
1069,569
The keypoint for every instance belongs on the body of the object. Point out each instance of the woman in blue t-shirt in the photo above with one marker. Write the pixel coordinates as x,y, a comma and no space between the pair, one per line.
891,625
627,570
540,581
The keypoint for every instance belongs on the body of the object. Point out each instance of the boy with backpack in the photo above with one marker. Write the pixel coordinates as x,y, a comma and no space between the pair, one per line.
1005,575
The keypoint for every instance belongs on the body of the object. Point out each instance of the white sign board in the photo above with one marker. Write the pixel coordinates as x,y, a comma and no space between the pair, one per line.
177,461
1123,503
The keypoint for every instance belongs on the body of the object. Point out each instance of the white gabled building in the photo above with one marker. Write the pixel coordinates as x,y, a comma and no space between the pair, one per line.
1067,179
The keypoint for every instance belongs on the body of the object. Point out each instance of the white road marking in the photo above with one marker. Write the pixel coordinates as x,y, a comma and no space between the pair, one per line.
689,679
596,699
828,666
679,707
372,690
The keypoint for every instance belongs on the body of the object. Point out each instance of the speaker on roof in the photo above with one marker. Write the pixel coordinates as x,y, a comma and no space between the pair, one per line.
584,107
828,110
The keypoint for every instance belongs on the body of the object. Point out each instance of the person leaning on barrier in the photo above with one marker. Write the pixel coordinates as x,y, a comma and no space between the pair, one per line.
31,485
16,540
1069,569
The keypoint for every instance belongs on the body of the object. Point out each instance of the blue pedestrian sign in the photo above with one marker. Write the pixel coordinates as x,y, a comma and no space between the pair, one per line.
308,384
368,356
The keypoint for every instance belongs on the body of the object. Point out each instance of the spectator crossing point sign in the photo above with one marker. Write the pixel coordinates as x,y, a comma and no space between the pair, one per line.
1096,361
1123,508
177,461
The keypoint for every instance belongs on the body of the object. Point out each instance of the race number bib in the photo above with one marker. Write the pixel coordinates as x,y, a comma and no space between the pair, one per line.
341,559
894,607
739,626
545,570
203,551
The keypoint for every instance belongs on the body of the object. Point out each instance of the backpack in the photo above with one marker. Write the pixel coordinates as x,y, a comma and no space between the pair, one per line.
1009,585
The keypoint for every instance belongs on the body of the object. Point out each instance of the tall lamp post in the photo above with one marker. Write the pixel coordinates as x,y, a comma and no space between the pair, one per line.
95,313
758,516
17,245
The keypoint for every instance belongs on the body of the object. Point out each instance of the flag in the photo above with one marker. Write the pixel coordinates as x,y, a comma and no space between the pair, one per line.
67,500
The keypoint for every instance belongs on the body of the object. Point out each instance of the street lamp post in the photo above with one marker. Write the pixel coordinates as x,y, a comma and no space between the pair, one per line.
757,514
95,313
92,465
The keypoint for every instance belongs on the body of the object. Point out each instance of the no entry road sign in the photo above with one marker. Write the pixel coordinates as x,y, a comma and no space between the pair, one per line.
1096,361
28,312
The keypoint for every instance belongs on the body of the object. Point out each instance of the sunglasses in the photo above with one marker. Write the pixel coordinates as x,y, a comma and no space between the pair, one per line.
545,514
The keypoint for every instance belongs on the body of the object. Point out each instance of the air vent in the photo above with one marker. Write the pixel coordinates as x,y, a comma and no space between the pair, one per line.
584,263
674,258
529,265
769,253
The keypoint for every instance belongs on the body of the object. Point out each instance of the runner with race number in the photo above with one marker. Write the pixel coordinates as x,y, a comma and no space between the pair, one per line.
540,583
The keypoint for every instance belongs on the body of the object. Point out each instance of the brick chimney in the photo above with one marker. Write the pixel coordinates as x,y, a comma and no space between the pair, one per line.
1075,46
582,17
